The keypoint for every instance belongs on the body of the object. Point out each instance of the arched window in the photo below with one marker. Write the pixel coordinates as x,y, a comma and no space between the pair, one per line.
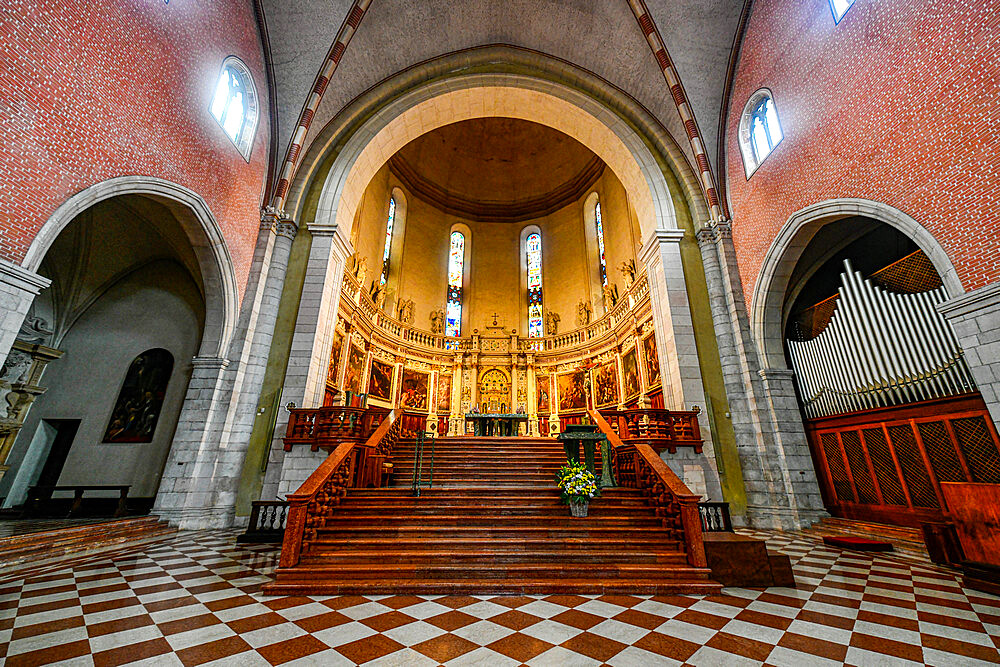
840,8
760,130
390,220
533,259
456,274
235,104
600,243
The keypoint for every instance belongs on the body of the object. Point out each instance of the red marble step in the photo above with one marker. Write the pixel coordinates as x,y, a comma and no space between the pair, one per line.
483,558
33,549
457,545
493,572
322,584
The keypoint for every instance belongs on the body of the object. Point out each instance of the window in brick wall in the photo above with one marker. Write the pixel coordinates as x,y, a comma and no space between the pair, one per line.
760,131
840,8
234,104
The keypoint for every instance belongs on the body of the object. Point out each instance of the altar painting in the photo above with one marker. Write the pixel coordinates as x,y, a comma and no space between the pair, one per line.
651,360
413,390
572,390
606,384
542,390
630,369
380,380
444,394
355,365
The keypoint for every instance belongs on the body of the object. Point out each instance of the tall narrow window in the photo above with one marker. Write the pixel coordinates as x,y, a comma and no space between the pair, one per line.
760,130
456,273
234,104
600,243
533,250
388,240
840,8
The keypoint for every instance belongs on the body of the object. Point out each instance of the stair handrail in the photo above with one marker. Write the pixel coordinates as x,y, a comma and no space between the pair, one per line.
418,463
676,505
313,503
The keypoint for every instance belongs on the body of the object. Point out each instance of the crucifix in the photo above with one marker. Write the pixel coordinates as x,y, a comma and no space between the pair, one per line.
495,316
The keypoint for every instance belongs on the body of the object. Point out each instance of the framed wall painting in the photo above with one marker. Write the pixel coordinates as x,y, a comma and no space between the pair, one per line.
630,371
380,380
542,393
413,390
355,366
338,346
572,390
606,384
651,361
444,394
137,409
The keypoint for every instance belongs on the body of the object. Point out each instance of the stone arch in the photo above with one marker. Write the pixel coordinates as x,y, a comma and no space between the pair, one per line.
766,306
201,228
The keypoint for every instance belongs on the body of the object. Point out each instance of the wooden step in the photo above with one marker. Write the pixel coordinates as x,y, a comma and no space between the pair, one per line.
31,550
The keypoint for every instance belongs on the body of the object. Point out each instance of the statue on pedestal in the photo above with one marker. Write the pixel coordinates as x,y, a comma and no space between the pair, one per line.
628,272
583,313
610,296
551,323
437,322
406,311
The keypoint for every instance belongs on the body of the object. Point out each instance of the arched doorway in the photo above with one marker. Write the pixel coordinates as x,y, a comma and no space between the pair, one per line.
137,291
889,406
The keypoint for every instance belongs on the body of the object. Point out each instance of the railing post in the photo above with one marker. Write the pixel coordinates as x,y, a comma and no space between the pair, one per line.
694,544
291,547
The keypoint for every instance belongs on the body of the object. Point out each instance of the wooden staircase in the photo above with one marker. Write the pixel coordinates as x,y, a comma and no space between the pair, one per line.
492,523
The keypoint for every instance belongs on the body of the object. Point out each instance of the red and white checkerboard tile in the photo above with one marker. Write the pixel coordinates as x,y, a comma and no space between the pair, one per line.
195,600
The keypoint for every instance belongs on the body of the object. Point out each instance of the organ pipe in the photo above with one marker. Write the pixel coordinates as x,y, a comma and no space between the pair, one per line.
879,348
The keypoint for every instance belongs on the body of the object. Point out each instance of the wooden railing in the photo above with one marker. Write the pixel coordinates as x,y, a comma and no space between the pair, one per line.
316,500
329,426
715,518
267,522
660,429
638,466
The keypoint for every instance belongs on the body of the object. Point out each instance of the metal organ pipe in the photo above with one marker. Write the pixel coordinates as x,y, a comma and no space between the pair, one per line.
879,348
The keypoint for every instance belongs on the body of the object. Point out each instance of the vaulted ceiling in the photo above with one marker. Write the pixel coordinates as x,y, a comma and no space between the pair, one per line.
601,36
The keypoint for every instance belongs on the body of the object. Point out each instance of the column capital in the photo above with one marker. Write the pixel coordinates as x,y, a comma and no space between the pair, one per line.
21,278
777,373
714,231
210,363
657,238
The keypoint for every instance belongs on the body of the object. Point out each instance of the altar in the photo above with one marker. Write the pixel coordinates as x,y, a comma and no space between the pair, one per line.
495,424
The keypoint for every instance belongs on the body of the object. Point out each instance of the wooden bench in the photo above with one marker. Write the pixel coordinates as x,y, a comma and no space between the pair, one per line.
42,495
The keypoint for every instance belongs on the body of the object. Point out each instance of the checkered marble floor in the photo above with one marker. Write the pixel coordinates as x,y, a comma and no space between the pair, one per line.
194,599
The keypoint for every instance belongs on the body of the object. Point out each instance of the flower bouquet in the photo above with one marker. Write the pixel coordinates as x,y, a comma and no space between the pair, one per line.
578,486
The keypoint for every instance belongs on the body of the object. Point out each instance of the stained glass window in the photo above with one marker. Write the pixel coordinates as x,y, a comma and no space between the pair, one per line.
765,130
388,241
533,250
234,105
840,8
600,243
456,272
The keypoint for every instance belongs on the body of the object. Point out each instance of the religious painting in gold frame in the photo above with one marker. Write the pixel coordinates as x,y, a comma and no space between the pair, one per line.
380,380
355,366
630,372
572,390
651,360
413,390
606,384
444,394
543,394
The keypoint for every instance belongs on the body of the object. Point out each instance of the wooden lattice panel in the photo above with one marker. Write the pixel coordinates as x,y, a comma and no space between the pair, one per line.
888,464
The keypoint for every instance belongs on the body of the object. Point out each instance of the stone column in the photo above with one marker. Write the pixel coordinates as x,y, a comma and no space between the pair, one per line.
778,475
18,288
975,318
673,327
309,357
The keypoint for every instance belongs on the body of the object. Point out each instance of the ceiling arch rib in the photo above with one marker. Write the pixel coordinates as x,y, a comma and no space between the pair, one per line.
396,34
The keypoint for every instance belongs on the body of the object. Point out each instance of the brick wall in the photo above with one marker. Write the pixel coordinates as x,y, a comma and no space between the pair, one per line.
94,90
898,103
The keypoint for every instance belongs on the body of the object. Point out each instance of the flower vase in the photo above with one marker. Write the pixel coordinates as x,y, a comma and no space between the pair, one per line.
578,508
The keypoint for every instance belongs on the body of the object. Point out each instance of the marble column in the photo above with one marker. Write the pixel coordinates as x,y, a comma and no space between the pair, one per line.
673,327
975,318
